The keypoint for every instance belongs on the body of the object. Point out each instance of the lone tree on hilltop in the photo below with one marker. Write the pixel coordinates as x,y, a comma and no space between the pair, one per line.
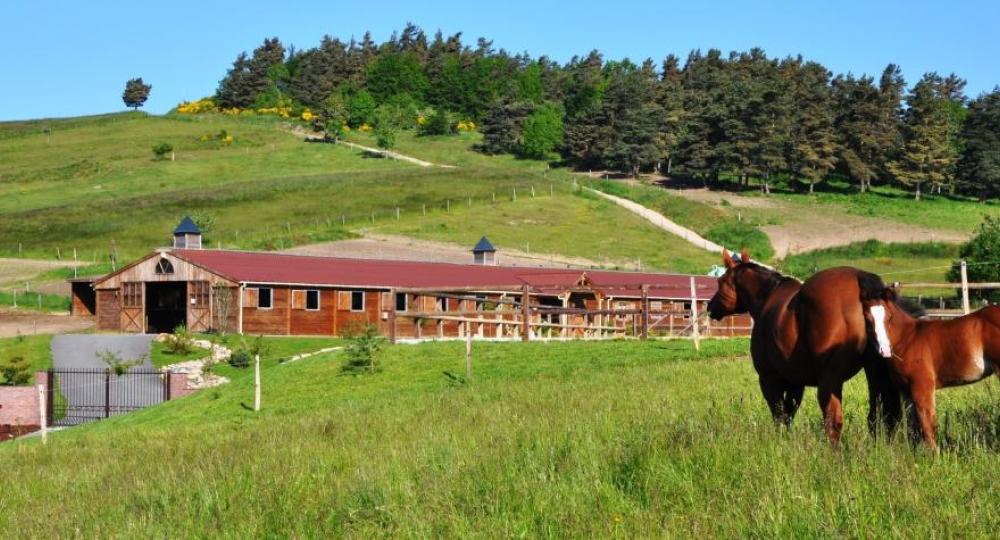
136,93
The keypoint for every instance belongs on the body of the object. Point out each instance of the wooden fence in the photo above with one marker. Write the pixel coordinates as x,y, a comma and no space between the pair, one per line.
527,314
964,287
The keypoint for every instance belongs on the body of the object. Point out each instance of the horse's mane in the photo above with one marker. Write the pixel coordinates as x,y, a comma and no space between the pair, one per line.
771,277
873,288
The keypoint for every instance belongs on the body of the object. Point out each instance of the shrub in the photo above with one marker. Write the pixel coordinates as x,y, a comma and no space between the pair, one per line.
15,371
161,150
240,358
437,124
981,254
244,354
363,350
117,364
180,342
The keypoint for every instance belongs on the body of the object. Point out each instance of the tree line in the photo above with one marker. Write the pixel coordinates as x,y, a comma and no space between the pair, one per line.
742,117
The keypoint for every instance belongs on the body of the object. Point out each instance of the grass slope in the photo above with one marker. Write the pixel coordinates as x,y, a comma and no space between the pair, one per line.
564,439
89,183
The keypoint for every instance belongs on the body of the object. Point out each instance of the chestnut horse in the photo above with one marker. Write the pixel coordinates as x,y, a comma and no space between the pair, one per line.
925,355
808,334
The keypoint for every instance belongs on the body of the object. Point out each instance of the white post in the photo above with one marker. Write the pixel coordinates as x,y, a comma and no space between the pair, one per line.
468,353
256,382
965,289
43,421
694,317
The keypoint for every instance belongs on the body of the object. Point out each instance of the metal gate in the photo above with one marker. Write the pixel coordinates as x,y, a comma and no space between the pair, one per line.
82,395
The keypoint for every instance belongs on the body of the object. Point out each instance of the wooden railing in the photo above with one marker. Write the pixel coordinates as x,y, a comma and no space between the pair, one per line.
526,314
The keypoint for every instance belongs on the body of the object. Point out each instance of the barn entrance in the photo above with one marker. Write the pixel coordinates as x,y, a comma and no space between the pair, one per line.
166,308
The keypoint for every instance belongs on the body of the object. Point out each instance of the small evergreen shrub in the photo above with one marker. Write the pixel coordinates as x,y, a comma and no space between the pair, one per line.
161,150
363,350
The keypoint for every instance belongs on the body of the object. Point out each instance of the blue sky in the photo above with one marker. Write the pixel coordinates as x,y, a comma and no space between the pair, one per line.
66,58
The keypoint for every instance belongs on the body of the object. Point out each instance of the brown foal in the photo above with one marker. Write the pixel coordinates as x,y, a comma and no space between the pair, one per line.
925,355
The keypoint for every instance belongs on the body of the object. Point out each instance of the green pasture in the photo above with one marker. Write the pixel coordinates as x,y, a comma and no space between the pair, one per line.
598,439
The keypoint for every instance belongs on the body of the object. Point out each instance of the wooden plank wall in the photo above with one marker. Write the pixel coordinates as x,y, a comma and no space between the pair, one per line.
108,310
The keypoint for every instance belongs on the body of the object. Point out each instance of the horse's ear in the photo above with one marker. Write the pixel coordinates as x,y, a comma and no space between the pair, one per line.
889,293
727,259
744,255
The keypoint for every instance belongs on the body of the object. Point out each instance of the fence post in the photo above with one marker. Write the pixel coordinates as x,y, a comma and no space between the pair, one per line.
525,314
42,416
644,305
392,315
694,317
256,382
107,393
468,352
965,288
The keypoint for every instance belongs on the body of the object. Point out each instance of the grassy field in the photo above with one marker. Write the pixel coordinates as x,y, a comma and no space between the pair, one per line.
36,349
575,439
91,184
926,262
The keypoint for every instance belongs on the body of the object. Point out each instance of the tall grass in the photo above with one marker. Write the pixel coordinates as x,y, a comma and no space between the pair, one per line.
569,440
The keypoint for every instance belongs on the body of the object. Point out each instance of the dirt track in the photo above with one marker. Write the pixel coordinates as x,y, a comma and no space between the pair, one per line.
409,249
821,229
26,323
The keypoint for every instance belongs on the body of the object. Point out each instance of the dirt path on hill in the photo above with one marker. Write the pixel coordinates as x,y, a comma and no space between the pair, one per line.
662,222
820,228
26,323
297,130
380,246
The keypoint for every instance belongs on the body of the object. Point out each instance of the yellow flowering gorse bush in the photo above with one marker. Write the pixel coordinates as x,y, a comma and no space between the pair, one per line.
466,125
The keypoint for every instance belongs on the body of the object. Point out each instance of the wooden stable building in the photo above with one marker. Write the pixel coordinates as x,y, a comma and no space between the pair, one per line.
282,294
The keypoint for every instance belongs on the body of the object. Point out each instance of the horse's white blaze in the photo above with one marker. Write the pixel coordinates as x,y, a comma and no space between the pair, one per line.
881,334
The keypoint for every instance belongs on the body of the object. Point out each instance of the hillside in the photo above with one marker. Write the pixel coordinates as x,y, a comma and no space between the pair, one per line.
85,183
597,439
91,184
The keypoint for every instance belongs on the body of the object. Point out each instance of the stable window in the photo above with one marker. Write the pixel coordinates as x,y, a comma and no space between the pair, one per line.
199,294
132,295
400,301
312,300
307,299
357,300
441,304
265,297
164,267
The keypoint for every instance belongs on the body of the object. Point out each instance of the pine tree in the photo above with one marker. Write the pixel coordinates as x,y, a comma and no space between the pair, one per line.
136,93
632,115
858,117
928,152
813,148
502,127
979,164
236,90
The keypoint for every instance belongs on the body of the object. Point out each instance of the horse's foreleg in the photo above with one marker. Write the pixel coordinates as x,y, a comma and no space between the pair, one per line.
830,398
792,400
924,407
773,389
885,404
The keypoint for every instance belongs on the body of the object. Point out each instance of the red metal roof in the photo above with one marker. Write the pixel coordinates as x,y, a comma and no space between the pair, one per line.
279,268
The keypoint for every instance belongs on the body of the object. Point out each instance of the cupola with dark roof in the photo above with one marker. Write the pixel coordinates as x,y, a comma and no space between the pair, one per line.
484,253
187,235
